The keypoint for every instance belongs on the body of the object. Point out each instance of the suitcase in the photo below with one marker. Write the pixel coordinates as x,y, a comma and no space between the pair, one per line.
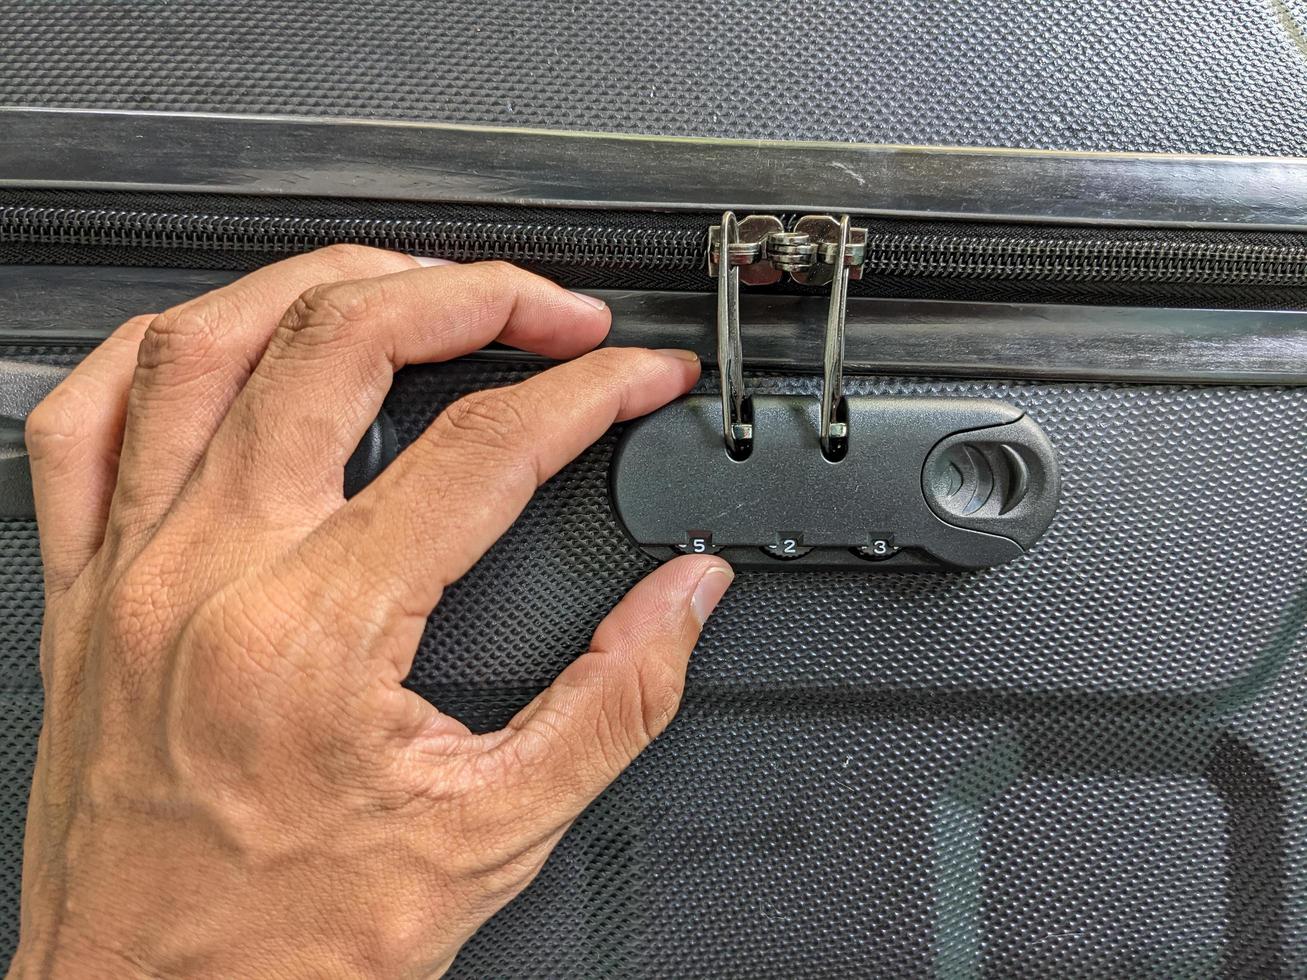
1079,753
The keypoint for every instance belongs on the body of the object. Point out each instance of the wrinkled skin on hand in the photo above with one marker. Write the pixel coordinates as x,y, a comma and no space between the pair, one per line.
231,780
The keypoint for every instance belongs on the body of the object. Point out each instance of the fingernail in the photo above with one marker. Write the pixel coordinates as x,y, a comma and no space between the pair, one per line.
710,590
679,354
427,260
591,301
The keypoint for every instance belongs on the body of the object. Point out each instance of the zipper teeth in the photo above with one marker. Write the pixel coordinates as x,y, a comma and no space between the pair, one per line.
889,253
1063,260
563,244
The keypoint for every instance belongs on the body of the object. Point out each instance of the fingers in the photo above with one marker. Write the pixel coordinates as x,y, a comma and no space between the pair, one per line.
568,744
330,362
193,361
73,439
451,494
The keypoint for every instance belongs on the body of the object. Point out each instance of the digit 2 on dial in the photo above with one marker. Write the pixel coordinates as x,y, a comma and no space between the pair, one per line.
787,547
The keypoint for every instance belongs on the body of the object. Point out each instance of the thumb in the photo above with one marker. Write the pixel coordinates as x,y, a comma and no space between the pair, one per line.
575,738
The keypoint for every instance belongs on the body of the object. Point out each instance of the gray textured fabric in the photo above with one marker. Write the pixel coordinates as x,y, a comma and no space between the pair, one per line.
1089,762
1226,76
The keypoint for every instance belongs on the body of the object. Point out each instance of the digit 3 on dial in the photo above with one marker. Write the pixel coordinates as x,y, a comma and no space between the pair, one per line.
878,548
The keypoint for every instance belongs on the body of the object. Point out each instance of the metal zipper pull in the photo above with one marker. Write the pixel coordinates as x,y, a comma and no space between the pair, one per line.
758,250
835,433
736,429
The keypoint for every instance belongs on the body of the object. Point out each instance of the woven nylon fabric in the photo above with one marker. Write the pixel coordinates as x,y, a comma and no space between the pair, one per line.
1218,76
1089,762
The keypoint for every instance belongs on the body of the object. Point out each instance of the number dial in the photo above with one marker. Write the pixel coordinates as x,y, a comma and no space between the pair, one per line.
698,543
878,548
787,547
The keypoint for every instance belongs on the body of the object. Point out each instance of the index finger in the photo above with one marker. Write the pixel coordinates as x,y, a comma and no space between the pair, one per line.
330,362
451,494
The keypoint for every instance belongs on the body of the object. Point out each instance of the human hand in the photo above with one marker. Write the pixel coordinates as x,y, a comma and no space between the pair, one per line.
231,779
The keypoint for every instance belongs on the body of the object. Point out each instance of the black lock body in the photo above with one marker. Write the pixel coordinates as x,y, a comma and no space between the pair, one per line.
923,483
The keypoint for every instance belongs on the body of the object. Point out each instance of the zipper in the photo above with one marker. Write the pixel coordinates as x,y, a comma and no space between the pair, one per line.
679,243
1108,259
525,241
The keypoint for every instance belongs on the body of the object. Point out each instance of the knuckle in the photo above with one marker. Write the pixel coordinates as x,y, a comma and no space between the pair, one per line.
350,259
212,625
232,649
182,333
494,419
661,689
323,311
132,330
617,725
56,421
618,734
645,699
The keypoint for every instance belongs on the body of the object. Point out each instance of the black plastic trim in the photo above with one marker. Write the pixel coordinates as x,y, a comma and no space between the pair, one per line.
76,306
